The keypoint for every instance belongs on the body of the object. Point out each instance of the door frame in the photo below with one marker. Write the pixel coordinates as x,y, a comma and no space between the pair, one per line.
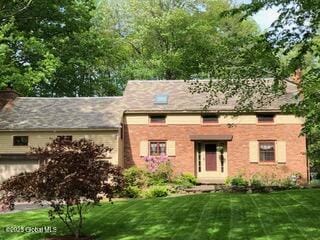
200,159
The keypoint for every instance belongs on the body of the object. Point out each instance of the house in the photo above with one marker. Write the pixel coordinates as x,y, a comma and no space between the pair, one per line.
163,117
160,117
35,121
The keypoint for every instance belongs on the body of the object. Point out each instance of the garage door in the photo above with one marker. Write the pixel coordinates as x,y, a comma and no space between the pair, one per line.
13,165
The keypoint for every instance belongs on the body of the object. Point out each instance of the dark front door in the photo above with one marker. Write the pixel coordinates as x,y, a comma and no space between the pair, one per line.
211,157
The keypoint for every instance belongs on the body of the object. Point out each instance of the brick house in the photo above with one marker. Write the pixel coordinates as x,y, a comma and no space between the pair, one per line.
162,117
154,118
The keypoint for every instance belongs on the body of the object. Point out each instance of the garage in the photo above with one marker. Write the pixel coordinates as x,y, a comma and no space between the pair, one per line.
13,164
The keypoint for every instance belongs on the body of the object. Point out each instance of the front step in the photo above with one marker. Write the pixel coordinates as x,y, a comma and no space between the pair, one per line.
205,188
211,181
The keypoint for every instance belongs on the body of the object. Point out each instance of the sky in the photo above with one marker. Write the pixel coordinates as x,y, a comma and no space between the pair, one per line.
264,17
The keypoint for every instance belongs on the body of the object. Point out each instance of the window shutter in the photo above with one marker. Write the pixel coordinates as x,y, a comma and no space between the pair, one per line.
171,148
253,151
281,152
144,145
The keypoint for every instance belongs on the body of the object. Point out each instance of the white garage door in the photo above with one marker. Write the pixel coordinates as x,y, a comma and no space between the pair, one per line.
11,167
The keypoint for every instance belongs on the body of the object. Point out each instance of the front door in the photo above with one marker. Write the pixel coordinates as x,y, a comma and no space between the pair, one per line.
211,157
210,167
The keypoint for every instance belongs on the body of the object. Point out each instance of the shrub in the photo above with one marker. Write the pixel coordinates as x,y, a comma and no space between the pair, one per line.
135,180
135,177
72,179
156,191
237,181
315,183
185,180
132,192
162,174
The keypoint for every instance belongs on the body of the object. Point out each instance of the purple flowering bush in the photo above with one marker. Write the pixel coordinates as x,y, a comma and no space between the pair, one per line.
160,169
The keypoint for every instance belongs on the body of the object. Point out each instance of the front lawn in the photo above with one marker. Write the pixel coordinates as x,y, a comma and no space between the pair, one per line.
279,215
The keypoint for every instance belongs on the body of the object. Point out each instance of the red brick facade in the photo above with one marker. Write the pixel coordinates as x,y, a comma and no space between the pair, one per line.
237,149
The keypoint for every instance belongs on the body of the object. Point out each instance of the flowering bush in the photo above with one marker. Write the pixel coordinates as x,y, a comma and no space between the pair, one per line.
154,162
160,169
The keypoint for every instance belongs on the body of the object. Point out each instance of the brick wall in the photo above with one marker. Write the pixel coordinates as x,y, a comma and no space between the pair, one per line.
237,149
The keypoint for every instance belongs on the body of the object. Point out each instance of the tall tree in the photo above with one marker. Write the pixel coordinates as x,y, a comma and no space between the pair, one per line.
52,48
175,39
294,40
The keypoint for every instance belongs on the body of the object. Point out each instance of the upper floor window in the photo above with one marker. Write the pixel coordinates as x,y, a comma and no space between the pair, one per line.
20,140
210,118
161,119
265,118
157,148
65,138
267,151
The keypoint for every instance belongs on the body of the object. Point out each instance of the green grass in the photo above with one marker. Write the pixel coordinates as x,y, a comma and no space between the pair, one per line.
280,215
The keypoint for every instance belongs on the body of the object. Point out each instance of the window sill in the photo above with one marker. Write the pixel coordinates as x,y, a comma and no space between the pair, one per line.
267,163
158,125
266,124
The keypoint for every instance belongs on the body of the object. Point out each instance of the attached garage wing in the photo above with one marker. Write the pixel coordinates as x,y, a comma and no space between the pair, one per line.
13,164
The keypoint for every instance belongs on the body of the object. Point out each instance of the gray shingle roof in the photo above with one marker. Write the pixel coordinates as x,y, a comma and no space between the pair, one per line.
62,113
139,96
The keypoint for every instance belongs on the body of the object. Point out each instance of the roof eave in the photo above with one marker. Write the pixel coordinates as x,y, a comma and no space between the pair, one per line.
201,111
58,129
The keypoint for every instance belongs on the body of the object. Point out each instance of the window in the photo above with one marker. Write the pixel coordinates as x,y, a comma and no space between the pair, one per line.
158,119
20,140
210,118
267,151
265,118
65,138
157,148
161,99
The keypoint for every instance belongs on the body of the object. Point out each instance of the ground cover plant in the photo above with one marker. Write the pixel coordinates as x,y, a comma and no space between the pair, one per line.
281,215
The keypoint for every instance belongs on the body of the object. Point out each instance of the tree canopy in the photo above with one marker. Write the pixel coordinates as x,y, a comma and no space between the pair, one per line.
52,48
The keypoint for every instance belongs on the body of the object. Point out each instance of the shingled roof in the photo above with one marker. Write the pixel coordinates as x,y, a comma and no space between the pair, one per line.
139,96
62,113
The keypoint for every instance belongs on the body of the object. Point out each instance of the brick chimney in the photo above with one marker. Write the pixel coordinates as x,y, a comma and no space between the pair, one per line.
7,95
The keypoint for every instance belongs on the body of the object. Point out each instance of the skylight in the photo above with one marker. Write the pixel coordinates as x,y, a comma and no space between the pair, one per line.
161,99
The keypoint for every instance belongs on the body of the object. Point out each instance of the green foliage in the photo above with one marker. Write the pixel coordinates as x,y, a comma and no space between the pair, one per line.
185,180
162,175
315,183
176,39
237,181
54,49
134,176
156,191
131,191
135,180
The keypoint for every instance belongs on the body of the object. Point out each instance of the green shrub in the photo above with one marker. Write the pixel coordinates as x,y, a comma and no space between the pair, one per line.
256,183
185,180
237,181
132,192
162,175
135,177
315,183
156,191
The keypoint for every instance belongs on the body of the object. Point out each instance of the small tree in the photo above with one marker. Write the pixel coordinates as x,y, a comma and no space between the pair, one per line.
72,177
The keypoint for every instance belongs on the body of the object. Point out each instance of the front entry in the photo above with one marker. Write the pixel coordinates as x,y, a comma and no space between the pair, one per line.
211,157
211,161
